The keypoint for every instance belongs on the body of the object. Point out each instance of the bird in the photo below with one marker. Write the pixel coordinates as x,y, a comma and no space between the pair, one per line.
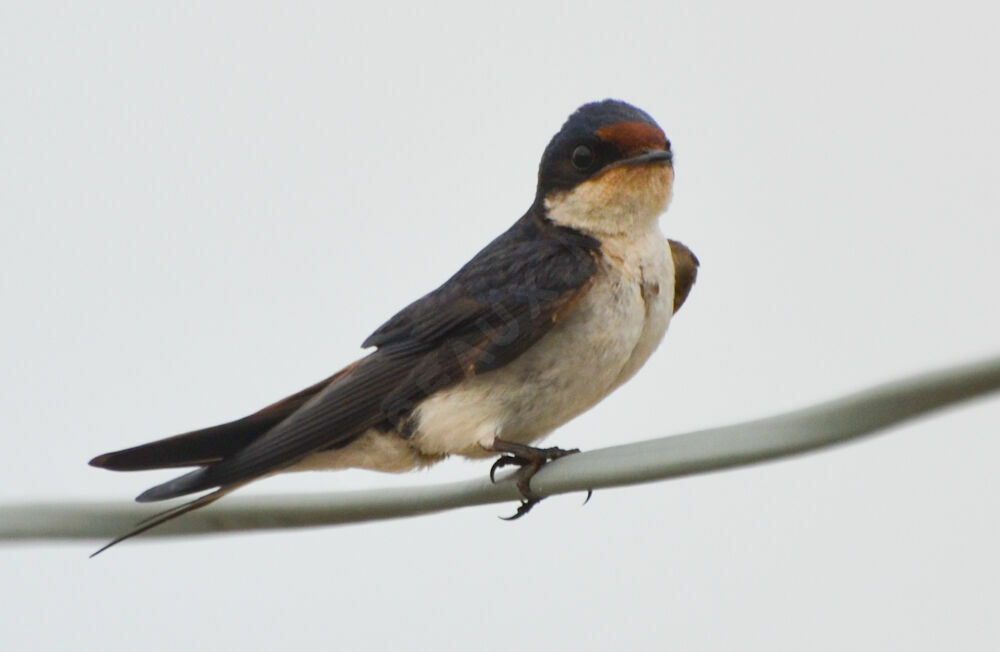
544,322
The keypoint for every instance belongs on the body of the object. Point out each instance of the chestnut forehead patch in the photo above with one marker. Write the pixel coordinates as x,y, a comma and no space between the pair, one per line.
633,137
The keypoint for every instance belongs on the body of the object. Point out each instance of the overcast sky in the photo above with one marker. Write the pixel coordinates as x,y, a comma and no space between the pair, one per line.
207,208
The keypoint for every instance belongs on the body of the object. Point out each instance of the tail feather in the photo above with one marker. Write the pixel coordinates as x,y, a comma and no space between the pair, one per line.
179,486
208,445
168,515
201,448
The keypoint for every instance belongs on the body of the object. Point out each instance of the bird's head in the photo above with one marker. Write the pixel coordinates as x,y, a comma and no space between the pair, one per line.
608,171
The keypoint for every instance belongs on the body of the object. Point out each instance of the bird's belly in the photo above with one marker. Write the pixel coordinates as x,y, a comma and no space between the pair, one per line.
375,450
592,351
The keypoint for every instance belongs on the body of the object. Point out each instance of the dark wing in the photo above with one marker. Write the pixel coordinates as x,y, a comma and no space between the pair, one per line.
494,308
200,447
685,271
491,311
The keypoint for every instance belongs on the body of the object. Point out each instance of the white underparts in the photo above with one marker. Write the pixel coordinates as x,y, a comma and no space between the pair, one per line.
374,450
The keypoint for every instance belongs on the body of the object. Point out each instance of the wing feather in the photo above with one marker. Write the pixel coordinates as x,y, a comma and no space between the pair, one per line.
207,445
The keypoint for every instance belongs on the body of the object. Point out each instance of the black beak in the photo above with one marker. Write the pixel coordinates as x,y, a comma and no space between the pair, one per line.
651,156
648,157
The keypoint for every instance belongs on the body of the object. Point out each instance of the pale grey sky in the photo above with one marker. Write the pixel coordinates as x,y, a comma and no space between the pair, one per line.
207,208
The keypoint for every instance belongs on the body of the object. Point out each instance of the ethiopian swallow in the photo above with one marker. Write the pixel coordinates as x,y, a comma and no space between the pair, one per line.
547,320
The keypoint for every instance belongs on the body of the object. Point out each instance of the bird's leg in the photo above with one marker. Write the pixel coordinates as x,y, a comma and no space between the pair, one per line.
530,459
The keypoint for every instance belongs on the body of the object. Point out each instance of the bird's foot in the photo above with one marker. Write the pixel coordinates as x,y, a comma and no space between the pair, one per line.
530,460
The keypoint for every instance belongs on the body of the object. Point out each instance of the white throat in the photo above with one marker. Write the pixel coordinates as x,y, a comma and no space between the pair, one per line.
622,201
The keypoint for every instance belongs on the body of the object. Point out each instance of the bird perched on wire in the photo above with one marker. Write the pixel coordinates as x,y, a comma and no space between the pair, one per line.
548,319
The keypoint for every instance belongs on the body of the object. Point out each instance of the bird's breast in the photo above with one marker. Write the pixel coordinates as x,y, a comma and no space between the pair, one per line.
599,345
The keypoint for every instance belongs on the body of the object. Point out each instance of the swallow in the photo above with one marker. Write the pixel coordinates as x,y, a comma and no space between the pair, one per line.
548,319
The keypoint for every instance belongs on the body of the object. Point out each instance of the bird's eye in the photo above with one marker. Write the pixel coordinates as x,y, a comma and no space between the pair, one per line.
582,158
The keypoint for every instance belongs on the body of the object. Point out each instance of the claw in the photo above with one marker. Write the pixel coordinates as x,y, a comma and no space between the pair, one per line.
505,460
590,492
530,459
522,509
